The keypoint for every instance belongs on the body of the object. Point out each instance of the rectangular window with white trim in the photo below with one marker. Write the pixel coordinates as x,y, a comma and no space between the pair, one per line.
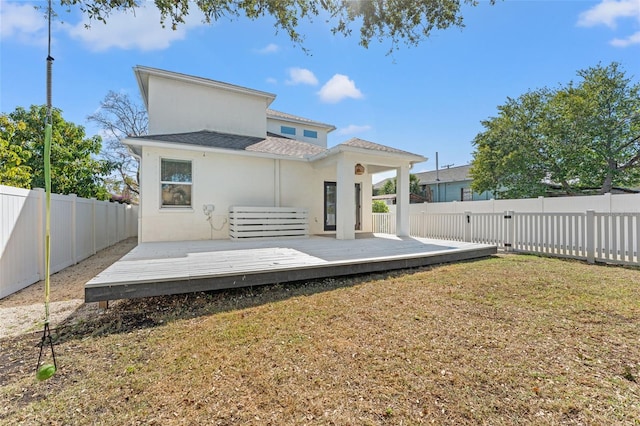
175,183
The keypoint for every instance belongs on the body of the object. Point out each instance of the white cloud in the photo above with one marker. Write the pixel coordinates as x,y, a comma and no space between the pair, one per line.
624,42
269,48
272,80
608,12
353,129
23,22
132,30
339,88
301,76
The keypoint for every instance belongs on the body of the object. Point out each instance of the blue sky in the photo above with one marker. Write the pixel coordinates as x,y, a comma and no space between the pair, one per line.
424,99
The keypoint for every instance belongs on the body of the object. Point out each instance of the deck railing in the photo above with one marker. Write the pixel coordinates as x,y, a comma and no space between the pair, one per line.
604,237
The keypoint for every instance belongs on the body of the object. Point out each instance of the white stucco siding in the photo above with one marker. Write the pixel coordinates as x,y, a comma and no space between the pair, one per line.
179,106
275,126
303,186
219,179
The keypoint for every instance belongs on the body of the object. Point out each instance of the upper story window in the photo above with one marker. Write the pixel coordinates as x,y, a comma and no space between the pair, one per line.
310,134
286,130
175,183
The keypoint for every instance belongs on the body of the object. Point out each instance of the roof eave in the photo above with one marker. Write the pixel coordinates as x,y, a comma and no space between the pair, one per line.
141,71
407,156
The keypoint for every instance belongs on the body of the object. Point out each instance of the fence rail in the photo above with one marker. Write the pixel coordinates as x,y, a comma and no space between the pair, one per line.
79,228
603,237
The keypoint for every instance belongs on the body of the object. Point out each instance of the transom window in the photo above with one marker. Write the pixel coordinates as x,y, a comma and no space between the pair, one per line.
175,183
286,130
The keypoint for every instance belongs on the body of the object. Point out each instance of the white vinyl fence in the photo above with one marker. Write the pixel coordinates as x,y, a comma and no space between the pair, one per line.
79,228
603,237
607,203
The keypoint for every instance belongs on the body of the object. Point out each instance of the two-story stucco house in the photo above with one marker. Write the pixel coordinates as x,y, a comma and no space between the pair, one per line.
213,146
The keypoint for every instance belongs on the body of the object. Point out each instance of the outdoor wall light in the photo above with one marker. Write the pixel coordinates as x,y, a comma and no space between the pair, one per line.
359,169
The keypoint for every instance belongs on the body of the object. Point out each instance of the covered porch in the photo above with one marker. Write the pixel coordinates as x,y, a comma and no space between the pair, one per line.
358,157
162,268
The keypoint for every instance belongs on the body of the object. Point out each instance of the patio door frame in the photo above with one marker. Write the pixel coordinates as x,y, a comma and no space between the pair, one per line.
358,211
328,208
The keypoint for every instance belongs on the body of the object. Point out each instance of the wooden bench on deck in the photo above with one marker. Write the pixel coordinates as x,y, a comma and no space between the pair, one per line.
264,222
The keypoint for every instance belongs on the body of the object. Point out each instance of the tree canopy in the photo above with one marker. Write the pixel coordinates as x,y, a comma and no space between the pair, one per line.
389,186
580,137
74,170
379,206
410,21
14,170
120,117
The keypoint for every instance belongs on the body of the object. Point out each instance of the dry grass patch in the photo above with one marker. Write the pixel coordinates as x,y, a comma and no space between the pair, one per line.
506,340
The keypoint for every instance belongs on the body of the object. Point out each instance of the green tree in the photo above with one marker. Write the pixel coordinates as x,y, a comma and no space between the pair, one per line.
379,206
74,170
14,170
414,184
607,109
120,117
389,186
410,21
579,137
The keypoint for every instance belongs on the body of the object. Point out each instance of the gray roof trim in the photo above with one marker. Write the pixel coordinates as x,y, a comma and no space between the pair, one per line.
279,115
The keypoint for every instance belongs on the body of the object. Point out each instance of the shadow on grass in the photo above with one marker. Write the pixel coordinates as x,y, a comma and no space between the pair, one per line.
135,314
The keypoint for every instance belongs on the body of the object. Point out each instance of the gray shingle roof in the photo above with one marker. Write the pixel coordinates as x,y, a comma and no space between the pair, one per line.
272,144
275,144
452,174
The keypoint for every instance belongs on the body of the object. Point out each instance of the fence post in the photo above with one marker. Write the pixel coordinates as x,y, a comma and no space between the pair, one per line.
74,227
466,233
590,237
608,200
510,230
127,222
93,223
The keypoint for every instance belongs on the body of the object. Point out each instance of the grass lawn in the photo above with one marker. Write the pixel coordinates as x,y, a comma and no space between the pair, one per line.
511,339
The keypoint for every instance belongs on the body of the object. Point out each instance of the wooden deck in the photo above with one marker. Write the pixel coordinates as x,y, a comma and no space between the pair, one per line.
154,269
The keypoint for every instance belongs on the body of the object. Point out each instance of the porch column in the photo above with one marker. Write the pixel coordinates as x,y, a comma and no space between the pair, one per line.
402,201
346,199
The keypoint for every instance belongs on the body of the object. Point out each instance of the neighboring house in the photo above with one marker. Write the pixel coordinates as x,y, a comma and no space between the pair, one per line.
213,146
448,184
